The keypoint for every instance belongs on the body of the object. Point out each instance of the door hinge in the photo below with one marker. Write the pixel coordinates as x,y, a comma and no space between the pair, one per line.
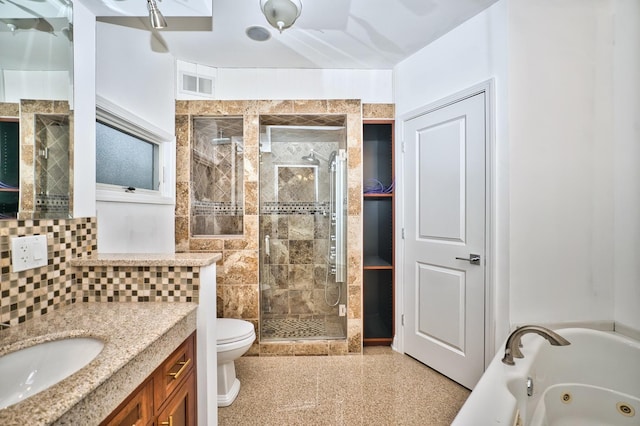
402,146
403,233
402,319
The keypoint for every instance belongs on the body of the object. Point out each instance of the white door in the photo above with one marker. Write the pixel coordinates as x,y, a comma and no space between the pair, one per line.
444,289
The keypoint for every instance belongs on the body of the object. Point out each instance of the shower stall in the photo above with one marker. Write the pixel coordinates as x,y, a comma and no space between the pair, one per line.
303,210
52,192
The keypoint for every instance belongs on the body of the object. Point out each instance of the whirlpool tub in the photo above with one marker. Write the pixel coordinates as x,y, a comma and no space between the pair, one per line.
593,381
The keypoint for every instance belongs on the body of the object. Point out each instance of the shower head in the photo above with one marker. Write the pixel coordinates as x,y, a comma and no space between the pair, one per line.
220,140
311,158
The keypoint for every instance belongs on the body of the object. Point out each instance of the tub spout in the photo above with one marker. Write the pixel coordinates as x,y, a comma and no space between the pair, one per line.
512,348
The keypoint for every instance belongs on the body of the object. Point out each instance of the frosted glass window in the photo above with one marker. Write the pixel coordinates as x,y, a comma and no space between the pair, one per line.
125,160
189,82
205,86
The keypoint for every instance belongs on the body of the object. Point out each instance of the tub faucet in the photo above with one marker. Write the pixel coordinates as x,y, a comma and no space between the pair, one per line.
512,348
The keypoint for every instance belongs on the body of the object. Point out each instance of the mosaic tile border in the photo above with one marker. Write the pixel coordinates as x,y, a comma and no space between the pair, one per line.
138,284
217,208
279,207
34,292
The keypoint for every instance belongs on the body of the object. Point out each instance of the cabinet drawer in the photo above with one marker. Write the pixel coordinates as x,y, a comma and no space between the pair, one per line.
173,371
137,410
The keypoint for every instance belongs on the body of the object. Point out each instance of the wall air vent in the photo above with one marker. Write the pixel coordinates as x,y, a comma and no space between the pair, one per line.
195,81
197,84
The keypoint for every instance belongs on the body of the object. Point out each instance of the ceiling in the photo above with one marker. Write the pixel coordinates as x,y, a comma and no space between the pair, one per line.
357,34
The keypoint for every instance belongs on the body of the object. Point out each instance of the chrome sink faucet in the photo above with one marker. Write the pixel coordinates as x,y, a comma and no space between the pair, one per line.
512,348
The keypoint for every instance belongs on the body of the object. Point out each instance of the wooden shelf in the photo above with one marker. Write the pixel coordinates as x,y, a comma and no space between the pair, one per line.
376,262
376,195
373,341
9,189
378,238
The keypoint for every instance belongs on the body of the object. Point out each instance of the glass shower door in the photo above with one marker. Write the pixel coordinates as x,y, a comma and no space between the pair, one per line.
303,232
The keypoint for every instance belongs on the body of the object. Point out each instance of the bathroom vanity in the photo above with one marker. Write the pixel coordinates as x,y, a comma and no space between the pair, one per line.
138,337
167,396
153,312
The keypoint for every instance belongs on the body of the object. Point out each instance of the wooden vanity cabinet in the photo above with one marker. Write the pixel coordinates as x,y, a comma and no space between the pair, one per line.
136,410
180,409
167,397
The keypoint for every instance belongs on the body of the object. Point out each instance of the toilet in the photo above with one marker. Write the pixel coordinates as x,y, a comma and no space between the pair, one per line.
234,339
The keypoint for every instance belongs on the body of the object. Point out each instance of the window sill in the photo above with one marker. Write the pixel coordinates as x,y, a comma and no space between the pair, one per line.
131,197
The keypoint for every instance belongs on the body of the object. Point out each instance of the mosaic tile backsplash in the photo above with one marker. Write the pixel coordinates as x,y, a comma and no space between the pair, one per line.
34,292
138,284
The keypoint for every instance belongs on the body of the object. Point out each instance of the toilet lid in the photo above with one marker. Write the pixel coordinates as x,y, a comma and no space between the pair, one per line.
231,330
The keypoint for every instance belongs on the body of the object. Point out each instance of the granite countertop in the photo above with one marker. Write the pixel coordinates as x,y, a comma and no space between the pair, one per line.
137,338
145,259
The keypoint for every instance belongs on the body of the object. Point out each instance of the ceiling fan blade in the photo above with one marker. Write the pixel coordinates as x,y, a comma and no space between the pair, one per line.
44,26
21,23
38,23
158,43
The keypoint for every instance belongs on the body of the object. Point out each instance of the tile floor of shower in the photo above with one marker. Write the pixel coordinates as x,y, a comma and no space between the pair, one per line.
326,328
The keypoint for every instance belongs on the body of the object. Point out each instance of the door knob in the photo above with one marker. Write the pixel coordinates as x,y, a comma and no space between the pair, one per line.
473,259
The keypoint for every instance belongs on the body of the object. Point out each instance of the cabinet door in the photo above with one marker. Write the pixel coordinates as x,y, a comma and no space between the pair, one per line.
137,410
180,410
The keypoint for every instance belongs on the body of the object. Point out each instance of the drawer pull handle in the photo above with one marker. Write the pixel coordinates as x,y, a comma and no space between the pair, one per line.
178,373
169,423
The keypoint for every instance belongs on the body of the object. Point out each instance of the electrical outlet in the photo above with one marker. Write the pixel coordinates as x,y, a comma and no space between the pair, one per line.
342,310
28,252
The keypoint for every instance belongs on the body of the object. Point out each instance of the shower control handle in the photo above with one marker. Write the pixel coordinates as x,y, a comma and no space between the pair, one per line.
267,250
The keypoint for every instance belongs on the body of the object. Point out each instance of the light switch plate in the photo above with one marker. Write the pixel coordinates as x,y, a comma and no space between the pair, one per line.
28,252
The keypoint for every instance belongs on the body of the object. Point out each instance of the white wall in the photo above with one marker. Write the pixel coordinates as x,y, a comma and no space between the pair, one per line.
626,162
84,115
372,86
131,75
561,160
22,84
472,53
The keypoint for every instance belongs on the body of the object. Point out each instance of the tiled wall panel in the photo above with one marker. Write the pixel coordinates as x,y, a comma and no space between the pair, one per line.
238,275
34,292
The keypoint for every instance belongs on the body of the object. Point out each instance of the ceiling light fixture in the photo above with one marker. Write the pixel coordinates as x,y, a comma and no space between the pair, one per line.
281,14
156,18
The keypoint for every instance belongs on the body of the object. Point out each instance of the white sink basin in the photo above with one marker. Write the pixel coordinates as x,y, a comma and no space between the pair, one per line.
31,370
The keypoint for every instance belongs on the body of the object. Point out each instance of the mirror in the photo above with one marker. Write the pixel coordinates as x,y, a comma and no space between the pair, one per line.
36,89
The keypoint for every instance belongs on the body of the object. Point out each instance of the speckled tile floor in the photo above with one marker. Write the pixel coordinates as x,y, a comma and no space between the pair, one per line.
381,387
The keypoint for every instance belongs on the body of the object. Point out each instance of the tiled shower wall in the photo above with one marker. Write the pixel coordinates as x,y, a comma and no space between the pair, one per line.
217,171
29,110
238,273
35,292
56,201
52,134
